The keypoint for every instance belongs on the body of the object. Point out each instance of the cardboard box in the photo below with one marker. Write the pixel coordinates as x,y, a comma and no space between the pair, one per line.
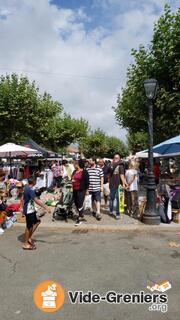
176,216
142,206
20,218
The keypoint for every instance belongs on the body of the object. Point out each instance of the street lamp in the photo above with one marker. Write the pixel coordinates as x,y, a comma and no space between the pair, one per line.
150,215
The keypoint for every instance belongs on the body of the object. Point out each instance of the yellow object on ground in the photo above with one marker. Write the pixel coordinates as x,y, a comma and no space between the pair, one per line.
121,199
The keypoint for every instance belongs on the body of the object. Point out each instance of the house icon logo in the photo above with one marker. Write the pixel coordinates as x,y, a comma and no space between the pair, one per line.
49,296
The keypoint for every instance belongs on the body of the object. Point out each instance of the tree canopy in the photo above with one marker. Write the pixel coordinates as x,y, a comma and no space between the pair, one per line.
24,112
101,145
161,60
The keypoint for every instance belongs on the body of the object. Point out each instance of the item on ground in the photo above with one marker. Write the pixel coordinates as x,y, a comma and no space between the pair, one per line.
13,207
176,215
142,206
1,231
54,203
9,221
174,244
20,217
49,202
88,202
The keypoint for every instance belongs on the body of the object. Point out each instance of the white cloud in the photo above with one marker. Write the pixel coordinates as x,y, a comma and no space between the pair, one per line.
83,69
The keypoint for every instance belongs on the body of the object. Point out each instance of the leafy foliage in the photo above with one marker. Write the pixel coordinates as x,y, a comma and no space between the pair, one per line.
25,113
161,61
101,145
137,141
63,131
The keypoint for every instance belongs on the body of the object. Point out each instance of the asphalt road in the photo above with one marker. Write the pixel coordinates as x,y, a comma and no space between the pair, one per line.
122,261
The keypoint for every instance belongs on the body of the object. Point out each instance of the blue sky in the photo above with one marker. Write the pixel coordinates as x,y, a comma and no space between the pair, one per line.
94,11
77,50
101,12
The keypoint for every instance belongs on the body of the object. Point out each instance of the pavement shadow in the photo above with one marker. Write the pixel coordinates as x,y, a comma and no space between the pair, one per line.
20,238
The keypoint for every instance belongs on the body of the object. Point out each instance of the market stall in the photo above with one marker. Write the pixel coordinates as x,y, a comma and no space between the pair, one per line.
10,151
41,153
8,183
167,156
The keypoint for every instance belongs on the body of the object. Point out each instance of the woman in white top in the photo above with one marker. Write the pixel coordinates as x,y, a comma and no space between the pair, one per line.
131,176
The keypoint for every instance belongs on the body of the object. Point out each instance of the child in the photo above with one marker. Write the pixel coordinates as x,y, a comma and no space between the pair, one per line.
29,210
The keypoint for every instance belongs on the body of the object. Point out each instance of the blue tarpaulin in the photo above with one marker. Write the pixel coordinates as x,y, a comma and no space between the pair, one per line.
170,147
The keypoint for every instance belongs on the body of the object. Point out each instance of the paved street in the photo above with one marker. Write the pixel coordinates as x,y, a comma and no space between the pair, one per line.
80,260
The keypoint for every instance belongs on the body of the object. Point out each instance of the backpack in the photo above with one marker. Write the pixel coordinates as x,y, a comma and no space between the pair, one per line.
116,168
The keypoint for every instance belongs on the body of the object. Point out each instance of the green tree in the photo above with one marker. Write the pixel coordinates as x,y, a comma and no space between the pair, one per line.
137,141
24,112
94,144
60,132
161,61
115,145
98,144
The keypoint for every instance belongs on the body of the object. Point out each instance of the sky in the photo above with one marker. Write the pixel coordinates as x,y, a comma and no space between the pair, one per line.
77,50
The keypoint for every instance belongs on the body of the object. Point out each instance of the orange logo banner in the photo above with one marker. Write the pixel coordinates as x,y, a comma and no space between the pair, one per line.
49,296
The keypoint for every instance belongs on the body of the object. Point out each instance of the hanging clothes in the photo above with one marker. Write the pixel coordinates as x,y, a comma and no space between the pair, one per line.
26,173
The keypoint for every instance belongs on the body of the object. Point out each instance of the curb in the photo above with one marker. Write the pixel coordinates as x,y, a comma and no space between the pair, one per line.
105,228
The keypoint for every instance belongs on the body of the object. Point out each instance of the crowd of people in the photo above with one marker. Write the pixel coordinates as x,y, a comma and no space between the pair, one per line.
100,179
96,178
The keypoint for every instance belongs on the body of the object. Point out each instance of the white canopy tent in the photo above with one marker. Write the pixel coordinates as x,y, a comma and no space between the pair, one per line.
9,150
144,154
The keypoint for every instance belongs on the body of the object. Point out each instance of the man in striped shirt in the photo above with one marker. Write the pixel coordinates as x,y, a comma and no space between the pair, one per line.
96,183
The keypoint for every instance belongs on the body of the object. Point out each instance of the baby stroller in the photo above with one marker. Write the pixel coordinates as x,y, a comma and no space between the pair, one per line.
65,208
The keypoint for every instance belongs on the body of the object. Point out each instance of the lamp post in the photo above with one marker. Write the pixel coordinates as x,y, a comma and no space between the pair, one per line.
150,215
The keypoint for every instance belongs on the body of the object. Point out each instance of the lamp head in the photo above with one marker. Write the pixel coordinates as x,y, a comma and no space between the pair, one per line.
150,87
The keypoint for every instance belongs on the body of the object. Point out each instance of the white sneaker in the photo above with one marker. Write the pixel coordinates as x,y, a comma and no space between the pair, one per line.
78,223
1,231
